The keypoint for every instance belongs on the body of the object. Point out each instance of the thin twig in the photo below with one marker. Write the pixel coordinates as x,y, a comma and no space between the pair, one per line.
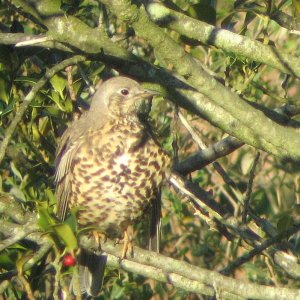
25,284
217,166
86,80
259,249
180,184
70,81
33,41
249,188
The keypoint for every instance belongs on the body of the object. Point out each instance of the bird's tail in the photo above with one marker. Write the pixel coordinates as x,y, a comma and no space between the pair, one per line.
91,272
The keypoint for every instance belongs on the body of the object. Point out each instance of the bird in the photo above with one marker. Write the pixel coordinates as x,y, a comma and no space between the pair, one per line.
110,166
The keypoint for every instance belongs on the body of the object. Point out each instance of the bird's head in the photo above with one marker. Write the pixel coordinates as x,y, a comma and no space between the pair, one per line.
120,96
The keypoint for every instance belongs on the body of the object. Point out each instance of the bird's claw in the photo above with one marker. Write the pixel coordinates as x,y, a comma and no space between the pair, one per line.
128,245
98,237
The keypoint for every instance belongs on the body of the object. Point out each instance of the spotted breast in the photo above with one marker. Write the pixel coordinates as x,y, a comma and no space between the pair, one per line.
116,173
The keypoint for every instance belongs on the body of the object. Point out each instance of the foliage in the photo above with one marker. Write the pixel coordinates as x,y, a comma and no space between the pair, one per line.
268,206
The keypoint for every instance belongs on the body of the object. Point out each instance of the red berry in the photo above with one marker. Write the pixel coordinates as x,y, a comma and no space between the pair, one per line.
69,260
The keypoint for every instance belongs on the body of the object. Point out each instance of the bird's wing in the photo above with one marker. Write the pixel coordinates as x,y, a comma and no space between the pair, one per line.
68,146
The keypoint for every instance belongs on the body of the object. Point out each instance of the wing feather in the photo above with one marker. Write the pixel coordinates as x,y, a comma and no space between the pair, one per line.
68,146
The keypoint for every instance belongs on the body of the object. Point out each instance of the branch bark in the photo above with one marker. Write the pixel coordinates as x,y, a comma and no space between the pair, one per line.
153,265
224,39
219,105
170,268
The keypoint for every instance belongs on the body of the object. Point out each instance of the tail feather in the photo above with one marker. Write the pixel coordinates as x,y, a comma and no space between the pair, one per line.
91,272
155,224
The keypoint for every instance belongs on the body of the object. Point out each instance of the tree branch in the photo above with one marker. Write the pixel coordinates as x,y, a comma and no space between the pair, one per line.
263,246
224,39
206,156
156,266
189,273
221,107
264,133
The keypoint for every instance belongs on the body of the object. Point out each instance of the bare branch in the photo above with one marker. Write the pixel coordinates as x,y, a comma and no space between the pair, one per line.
16,232
206,156
238,113
249,187
263,246
23,39
224,39
189,273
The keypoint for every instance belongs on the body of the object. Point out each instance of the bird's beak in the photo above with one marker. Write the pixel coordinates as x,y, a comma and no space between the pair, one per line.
144,102
146,93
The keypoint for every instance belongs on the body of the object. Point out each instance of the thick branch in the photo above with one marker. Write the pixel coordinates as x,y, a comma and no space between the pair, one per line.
13,209
264,133
72,31
90,40
168,265
221,107
224,39
208,155
155,266
160,275
16,232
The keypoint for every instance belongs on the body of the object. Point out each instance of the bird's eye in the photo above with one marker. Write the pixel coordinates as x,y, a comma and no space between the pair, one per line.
124,92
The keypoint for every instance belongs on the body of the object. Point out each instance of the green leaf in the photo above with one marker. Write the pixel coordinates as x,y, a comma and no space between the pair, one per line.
247,162
45,220
72,219
203,11
7,261
51,197
16,192
285,222
296,4
64,231
32,81
117,291
59,84
9,108
52,111
16,171
4,90
56,98
68,105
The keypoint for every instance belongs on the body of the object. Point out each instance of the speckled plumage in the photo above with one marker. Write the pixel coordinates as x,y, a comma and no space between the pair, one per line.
108,165
114,177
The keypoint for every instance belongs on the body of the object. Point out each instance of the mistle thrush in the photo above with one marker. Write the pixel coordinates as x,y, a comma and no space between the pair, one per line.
109,166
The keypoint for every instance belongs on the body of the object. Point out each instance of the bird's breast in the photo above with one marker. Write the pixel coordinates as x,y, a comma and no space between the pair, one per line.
115,177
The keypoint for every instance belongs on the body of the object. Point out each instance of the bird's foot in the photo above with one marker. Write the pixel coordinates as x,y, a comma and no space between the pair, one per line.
98,237
128,245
